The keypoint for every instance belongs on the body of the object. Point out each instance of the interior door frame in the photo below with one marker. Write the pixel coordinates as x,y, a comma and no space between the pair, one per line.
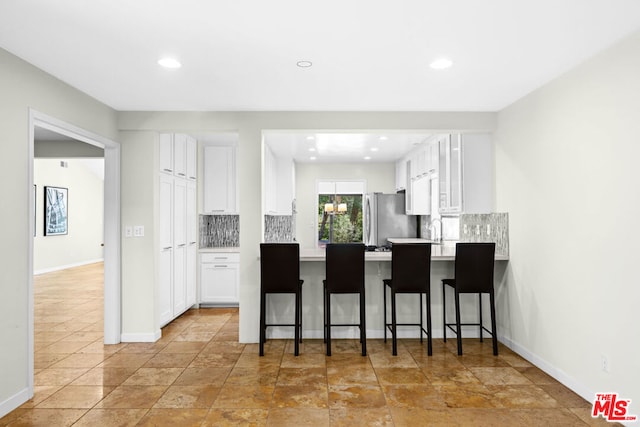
112,258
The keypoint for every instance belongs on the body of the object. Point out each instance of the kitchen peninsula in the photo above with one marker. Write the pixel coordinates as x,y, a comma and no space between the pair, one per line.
345,307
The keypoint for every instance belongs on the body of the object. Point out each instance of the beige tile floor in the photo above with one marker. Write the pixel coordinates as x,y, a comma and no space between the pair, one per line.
198,374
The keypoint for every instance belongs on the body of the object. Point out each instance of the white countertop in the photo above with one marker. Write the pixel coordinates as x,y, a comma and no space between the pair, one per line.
444,252
213,250
410,240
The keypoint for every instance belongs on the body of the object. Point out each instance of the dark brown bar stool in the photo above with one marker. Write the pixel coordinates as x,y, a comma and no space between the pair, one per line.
344,275
473,275
280,274
410,274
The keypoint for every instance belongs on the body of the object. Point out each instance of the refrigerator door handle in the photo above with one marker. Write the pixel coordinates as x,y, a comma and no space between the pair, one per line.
367,221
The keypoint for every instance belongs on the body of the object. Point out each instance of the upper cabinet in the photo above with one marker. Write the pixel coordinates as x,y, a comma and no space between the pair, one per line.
461,166
178,155
166,153
465,177
450,174
220,183
401,174
279,180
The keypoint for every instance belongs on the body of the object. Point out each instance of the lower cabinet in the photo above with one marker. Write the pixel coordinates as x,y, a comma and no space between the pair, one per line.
219,278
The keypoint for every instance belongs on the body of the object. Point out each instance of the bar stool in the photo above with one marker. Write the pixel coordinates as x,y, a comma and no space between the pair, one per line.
473,275
410,274
280,274
344,275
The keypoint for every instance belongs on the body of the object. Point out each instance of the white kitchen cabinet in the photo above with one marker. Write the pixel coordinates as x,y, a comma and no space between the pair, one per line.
450,174
285,185
192,244
191,268
179,279
177,260
192,158
165,286
219,278
477,173
465,164
271,182
421,194
408,195
219,185
401,174
279,184
166,153
180,155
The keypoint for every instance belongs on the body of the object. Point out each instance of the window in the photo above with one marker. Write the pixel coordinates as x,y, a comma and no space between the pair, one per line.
340,212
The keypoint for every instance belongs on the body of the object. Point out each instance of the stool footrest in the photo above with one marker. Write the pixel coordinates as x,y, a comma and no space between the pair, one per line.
451,326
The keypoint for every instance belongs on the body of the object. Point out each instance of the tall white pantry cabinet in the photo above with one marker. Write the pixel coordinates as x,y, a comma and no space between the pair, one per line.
178,227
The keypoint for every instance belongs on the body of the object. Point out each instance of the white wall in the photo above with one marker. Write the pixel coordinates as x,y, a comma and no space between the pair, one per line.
378,177
567,173
22,87
83,242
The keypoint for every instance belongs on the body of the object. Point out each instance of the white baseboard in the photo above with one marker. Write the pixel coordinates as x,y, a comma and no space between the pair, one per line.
576,386
64,267
148,337
14,401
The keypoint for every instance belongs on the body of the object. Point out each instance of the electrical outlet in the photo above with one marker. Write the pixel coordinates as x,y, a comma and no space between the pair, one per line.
488,229
128,231
605,363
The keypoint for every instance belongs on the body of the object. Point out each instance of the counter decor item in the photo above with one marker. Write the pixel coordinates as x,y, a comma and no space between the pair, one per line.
56,204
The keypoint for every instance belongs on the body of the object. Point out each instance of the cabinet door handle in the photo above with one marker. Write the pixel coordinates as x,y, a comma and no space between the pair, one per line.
168,170
182,245
220,266
216,210
167,248
180,174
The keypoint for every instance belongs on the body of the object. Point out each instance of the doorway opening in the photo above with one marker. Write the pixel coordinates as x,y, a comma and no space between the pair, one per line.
111,213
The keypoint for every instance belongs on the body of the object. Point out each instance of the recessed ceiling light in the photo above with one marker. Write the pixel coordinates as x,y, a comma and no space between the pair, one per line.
169,63
374,149
367,157
304,64
384,138
312,158
312,149
311,138
441,63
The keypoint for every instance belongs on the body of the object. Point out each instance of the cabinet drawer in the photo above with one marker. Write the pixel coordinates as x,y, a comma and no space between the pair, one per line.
218,257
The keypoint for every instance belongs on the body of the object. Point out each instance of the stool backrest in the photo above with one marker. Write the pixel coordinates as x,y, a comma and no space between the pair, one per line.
279,267
411,267
474,267
345,267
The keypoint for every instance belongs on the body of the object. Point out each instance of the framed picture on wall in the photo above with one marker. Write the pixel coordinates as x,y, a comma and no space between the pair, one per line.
56,206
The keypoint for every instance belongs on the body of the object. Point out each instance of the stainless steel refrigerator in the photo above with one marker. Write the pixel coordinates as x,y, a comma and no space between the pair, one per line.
384,217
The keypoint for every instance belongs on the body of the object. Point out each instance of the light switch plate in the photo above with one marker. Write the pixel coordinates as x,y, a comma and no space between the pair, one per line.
128,231
138,231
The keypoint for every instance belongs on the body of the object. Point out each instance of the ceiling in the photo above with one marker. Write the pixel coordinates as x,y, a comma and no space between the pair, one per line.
367,55
355,147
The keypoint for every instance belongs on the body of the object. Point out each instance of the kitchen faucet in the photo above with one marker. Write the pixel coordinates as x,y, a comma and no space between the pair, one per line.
434,231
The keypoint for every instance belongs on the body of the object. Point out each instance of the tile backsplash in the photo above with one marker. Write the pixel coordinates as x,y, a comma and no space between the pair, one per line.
219,231
278,228
492,227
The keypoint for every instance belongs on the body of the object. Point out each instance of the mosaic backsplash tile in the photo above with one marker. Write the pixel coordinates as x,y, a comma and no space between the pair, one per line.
219,231
492,227
278,228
